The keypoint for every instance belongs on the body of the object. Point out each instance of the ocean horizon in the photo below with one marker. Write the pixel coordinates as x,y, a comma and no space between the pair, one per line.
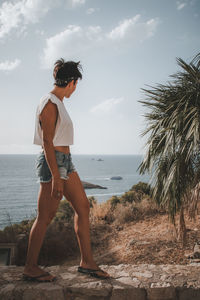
19,187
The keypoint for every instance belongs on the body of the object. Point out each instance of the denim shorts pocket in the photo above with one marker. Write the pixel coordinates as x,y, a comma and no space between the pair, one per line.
39,163
42,169
60,157
38,160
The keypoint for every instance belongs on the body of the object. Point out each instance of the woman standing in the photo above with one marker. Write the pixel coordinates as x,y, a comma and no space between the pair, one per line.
57,174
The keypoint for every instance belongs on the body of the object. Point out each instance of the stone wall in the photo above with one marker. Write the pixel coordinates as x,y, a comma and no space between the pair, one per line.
137,282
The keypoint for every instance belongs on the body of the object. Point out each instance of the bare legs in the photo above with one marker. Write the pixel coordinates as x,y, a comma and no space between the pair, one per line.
47,207
81,227
75,193
46,210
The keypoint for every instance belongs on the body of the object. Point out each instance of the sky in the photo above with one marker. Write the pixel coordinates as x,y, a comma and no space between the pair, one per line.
122,45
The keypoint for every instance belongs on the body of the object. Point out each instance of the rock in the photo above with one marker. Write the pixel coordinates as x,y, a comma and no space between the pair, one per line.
116,178
120,293
68,276
196,252
91,288
138,282
88,185
7,291
164,293
146,274
132,242
43,291
119,227
129,281
188,293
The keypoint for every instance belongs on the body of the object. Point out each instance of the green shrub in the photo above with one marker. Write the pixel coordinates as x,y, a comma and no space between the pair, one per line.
141,187
125,213
131,196
65,211
92,200
114,200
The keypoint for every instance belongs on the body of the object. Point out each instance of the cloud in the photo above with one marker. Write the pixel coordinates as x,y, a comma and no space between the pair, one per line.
91,10
19,14
132,29
33,10
106,106
180,5
71,4
76,41
9,65
9,17
77,2
72,42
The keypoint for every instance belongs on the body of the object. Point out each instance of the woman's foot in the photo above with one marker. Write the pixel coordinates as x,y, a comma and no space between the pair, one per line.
93,266
35,271
89,265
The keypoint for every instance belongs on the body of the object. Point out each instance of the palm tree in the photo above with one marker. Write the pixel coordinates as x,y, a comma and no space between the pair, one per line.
173,145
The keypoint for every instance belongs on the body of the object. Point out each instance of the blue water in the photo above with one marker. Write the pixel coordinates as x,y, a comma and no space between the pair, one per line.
19,187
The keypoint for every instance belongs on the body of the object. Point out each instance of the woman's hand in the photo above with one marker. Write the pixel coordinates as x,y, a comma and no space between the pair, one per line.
57,188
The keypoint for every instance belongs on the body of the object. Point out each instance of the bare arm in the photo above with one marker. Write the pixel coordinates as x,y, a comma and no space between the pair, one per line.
48,118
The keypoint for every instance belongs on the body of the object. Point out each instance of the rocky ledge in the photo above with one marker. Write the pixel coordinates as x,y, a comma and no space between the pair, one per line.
138,282
88,185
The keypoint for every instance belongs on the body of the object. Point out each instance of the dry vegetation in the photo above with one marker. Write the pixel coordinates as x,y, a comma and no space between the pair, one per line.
126,229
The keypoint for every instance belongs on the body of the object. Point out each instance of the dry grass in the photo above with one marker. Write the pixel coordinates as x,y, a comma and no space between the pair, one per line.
99,212
124,212
144,234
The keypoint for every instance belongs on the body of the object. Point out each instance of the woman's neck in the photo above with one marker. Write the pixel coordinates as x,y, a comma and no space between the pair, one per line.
59,93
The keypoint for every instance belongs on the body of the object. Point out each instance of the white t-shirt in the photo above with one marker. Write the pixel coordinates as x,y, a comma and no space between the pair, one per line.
64,132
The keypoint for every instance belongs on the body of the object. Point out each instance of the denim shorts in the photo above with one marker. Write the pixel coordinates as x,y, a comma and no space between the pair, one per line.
64,162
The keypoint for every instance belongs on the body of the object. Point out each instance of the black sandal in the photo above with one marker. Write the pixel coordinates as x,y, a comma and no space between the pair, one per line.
36,278
93,272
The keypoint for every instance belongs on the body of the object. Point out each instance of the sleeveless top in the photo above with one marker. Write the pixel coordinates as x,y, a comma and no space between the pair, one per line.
64,132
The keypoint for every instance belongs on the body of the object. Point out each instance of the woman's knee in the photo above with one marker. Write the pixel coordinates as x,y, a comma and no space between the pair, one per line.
41,221
51,216
47,218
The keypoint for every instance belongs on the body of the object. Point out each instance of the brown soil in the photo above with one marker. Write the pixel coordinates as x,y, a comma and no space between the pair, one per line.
152,241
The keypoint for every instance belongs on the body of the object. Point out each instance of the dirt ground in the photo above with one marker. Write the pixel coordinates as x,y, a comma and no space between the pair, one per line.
150,241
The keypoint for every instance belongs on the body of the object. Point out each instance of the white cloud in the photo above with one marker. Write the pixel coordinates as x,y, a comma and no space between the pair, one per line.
106,106
72,42
124,26
180,5
70,4
76,41
132,29
33,10
19,14
9,17
9,65
77,2
90,10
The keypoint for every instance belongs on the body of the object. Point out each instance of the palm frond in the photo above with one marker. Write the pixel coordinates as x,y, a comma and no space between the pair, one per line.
173,124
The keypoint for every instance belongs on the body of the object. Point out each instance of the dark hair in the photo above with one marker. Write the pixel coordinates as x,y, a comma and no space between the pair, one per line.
66,71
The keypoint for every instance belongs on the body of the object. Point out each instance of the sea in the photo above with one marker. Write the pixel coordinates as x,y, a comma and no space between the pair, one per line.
19,187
